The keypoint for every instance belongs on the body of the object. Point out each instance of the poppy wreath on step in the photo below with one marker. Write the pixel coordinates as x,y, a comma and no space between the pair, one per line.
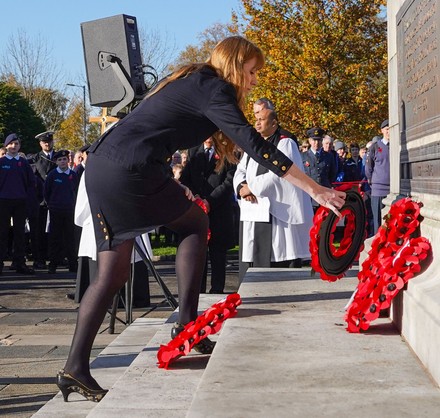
397,254
208,323
329,261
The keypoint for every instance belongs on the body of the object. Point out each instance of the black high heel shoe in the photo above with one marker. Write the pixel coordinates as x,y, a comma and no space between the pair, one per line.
69,384
205,346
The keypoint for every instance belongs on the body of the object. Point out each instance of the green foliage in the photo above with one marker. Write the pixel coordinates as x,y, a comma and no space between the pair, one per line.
16,115
326,63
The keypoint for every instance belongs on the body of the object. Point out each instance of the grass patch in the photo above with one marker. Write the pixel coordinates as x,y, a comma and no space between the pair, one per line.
161,248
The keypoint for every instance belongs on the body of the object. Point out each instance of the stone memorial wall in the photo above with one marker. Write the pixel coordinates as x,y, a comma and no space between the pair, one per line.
418,56
414,115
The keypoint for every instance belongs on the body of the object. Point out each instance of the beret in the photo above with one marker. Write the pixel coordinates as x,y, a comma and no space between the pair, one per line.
10,138
60,153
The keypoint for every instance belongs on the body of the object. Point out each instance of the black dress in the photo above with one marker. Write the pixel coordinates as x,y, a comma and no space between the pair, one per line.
128,178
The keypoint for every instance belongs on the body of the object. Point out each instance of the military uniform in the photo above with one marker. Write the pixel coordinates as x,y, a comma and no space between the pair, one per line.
42,161
16,180
42,164
60,190
320,166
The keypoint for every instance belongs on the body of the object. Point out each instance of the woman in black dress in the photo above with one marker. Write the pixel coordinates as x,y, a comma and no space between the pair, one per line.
131,191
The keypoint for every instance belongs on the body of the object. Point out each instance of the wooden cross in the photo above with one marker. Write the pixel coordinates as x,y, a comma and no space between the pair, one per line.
104,119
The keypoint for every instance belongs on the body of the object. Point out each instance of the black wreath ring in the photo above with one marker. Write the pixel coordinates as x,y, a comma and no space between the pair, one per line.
336,265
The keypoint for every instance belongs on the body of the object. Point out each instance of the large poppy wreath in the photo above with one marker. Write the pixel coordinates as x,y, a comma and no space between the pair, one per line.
397,254
208,323
329,260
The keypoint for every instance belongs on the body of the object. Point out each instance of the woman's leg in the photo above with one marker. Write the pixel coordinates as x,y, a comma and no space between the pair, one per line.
113,272
192,228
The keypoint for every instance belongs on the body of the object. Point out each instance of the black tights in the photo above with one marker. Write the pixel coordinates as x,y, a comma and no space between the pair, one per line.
113,272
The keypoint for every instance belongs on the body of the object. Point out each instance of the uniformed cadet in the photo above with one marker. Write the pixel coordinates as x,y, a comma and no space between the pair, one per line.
318,164
60,190
16,179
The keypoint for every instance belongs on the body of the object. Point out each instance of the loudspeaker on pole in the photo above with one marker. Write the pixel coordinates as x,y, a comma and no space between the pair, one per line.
112,37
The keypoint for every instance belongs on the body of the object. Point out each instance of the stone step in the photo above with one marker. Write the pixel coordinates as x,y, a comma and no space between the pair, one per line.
128,366
107,368
287,354
147,391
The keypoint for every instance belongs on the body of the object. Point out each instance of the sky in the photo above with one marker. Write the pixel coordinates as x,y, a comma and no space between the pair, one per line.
57,22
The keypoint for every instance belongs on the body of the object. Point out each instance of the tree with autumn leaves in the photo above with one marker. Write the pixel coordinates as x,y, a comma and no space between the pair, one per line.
326,63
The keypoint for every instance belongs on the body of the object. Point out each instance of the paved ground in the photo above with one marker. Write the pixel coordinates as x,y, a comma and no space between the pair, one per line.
36,326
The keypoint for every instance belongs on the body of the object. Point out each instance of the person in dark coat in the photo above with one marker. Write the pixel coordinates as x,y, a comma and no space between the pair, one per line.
192,104
16,181
42,163
353,167
215,188
318,164
79,169
60,190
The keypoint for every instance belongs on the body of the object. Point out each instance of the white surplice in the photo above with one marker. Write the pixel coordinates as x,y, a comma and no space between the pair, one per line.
290,207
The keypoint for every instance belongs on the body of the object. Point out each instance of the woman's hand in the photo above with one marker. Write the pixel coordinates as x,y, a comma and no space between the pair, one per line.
330,198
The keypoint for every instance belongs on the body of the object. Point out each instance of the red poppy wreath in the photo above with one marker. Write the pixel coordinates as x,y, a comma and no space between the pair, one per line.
330,261
395,257
208,323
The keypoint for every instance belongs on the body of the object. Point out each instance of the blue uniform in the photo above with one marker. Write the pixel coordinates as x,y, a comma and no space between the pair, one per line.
320,167
16,179
60,190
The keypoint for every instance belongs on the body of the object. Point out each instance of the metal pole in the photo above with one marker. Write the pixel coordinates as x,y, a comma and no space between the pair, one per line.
84,110
85,116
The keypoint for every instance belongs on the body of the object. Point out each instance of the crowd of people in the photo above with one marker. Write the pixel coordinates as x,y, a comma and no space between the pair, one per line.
37,201
42,205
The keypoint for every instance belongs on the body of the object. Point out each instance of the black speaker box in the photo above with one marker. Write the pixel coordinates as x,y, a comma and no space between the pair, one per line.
112,36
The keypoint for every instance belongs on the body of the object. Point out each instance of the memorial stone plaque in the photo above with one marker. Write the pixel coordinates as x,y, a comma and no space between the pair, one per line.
418,29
